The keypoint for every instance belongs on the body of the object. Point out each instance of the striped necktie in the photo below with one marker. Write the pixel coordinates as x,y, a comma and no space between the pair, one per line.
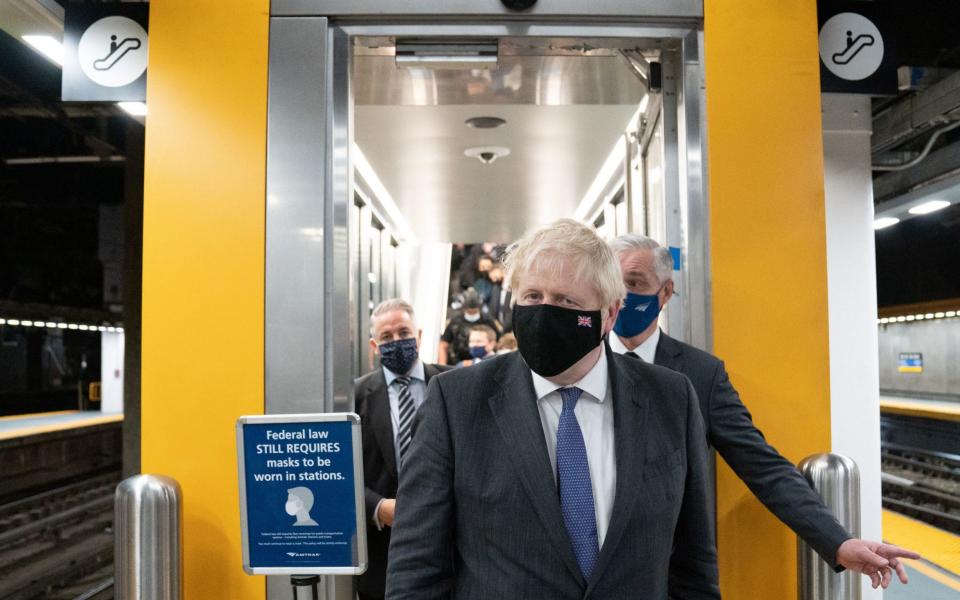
405,422
576,489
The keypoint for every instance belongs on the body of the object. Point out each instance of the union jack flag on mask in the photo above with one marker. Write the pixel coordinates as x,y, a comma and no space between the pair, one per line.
584,321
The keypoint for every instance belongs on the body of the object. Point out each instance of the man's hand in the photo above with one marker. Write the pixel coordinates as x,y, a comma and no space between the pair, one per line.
876,560
385,512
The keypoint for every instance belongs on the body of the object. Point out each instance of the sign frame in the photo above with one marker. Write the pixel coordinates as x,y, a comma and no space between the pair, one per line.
75,84
883,80
358,492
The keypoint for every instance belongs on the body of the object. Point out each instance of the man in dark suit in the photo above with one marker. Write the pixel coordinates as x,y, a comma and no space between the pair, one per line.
387,400
499,305
647,270
560,471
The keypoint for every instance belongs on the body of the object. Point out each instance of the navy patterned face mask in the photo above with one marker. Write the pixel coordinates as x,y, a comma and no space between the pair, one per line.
400,355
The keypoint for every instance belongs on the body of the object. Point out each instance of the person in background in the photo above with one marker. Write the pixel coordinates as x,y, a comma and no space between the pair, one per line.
561,471
387,400
498,304
483,342
507,344
455,341
647,270
483,283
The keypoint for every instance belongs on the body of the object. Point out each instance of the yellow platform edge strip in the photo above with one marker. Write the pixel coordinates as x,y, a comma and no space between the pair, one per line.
937,546
941,411
939,576
28,431
38,415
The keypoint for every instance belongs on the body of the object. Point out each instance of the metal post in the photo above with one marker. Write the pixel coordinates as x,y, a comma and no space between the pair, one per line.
837,479
305,587
148,539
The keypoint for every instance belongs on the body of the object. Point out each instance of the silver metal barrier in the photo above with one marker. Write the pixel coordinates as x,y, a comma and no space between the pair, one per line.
837,479
148,539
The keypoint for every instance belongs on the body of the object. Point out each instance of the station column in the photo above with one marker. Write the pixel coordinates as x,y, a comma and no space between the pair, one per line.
768,260
203,269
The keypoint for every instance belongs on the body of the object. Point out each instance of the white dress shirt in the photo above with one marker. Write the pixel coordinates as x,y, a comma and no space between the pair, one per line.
418,391
594,412
646,350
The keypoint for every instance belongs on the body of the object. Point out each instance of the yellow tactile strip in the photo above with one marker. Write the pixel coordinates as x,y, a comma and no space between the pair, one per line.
931,409
936,545
38,415
60,426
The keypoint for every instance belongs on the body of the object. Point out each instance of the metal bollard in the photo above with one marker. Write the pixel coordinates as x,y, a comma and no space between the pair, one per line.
148,539
837,479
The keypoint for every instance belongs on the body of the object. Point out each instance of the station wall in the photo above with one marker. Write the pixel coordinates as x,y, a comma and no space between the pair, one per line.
939,343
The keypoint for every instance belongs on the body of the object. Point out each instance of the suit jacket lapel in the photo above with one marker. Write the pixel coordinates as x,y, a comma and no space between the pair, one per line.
515,411
379,403
669,353
630,395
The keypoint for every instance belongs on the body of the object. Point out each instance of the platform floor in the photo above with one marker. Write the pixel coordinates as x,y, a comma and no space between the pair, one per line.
942,410
24,425
937,576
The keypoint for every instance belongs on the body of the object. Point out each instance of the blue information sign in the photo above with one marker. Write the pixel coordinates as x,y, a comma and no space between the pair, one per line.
301,494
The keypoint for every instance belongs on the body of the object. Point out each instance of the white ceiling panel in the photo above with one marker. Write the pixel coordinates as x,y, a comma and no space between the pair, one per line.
555,153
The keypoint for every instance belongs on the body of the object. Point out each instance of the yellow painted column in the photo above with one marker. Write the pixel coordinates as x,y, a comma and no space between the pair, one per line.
768,252
203,269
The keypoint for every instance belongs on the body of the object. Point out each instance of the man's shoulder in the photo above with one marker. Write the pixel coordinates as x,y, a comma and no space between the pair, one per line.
366,382
691,354
480,373
649,372
432,370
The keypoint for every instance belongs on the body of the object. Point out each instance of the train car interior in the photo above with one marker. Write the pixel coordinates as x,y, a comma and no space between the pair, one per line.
475,140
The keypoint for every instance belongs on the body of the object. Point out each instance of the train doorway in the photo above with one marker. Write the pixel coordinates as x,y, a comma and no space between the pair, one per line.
391,138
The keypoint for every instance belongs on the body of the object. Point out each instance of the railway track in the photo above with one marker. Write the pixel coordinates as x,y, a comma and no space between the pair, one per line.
922,484
59,543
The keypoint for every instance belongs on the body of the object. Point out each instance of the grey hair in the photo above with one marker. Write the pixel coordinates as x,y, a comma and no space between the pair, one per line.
662,259
389,305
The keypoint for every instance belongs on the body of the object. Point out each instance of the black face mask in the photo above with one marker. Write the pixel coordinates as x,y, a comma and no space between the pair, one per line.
551,339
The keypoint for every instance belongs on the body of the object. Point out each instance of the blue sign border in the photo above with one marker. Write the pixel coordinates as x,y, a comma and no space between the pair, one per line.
361,528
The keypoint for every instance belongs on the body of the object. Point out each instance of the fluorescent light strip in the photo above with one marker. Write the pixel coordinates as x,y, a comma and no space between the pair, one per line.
946,314
928,207
46,45
884,222
613,162
58,325
137,109
404,233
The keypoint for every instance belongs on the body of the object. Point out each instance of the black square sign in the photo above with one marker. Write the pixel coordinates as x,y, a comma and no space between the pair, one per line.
105,52
857,54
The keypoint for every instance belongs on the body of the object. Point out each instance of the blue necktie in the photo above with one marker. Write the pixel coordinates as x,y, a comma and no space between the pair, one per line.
576,491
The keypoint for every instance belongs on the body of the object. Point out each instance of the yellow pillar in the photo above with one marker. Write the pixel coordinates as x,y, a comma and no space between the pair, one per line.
768,254
203,272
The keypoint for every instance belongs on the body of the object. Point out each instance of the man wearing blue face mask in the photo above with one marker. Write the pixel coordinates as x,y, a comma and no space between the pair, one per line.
387,400
647,270
483,342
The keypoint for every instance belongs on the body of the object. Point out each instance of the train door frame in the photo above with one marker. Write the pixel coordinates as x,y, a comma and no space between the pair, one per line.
311,303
